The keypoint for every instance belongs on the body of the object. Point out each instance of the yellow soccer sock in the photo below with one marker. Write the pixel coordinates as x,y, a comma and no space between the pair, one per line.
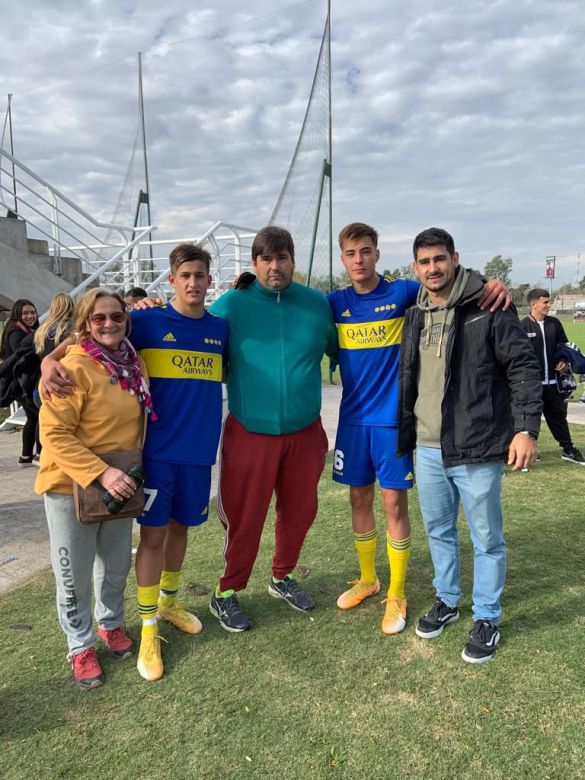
365,545
147,606
169,585
398,555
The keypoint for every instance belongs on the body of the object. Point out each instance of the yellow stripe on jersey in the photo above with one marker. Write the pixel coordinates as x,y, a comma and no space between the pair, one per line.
365,335
182,364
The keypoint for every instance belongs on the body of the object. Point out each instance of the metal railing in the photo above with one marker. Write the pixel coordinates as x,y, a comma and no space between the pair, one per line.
67,229
229,246
130,259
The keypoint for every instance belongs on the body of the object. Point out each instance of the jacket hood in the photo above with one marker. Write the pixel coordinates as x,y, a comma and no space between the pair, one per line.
468,286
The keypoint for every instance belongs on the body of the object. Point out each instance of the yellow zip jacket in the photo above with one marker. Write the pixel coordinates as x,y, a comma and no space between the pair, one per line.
97,417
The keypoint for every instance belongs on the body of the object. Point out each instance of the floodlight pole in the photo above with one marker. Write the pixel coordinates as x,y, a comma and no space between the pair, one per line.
143,129
325,171
330,151
12,151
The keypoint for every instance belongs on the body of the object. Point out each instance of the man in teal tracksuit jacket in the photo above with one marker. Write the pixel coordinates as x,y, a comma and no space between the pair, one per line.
273,440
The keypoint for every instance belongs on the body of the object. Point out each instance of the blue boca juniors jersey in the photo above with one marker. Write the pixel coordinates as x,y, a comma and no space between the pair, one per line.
369,329
184,358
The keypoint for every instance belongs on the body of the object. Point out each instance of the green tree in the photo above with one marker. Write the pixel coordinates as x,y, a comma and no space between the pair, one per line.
518,294
572,289
499,268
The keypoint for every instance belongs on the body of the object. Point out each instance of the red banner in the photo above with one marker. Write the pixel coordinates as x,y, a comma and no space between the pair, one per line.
550,267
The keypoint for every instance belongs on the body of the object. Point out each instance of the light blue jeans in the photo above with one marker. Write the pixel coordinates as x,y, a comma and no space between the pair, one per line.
478,485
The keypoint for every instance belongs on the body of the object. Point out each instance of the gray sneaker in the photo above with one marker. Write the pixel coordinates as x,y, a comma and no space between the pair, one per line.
228,611
290,591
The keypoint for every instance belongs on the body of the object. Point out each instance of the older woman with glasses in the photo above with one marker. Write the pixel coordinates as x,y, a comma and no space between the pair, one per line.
103,413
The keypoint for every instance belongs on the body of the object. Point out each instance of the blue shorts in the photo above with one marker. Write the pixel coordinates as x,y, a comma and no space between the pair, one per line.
175,490
364,452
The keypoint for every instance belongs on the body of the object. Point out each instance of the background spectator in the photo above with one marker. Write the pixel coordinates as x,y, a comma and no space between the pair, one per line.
545,333
134,295
18,336
57,326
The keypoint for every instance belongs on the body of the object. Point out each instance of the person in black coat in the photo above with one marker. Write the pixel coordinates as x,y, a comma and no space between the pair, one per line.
470,400
17,336
545,333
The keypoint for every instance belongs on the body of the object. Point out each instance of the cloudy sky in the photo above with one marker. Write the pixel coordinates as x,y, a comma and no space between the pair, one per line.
468,114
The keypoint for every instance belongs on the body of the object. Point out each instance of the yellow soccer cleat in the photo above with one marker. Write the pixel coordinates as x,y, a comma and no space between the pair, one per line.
181,618
356,594
150,665
395,615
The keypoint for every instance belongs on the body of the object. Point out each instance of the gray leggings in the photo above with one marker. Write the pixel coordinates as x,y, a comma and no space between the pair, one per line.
82,552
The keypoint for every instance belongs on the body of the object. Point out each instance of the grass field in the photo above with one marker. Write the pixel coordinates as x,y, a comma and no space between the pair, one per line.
325,695
575,330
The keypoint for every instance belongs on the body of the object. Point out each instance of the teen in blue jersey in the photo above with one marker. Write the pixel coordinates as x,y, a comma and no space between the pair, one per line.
183,347
369,316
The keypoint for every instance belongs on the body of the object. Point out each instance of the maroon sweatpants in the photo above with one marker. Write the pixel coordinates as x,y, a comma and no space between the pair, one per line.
253,466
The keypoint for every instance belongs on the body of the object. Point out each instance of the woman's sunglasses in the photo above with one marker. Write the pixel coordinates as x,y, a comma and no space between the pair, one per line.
116,316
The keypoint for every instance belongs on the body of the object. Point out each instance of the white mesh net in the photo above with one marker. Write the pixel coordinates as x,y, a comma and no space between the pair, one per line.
303,206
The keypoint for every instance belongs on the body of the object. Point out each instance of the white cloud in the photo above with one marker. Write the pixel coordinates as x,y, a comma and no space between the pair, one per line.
470,114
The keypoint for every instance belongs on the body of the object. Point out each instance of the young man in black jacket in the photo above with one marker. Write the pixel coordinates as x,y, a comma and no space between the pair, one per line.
545,334
470,397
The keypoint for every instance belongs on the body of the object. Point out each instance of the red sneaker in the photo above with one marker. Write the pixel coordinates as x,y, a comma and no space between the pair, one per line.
117,642
87,671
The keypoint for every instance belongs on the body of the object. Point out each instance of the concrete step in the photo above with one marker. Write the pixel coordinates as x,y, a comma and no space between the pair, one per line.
27,274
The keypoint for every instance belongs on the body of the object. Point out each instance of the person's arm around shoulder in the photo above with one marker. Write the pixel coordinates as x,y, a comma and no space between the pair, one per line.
55,379
495,296
148,303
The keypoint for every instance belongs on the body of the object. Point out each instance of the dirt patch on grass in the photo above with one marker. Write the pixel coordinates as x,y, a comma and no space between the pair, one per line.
415,649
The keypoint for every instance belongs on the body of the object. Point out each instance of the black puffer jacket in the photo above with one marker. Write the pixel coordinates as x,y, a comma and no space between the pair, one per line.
492,382
20,372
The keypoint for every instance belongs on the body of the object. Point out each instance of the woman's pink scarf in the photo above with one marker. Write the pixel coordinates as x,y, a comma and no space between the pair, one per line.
123,366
